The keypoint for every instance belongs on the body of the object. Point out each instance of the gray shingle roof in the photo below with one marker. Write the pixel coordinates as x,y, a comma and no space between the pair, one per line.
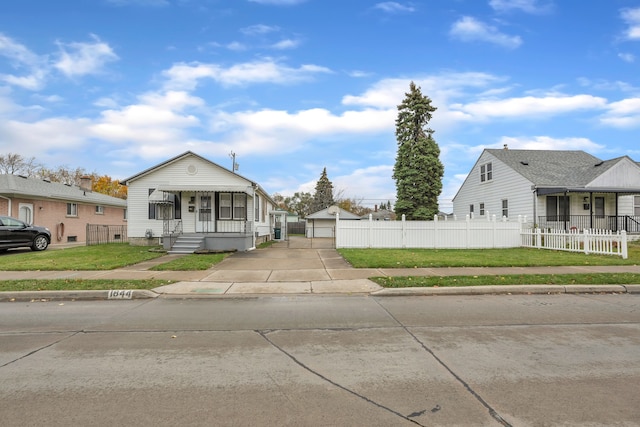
15,185
554,168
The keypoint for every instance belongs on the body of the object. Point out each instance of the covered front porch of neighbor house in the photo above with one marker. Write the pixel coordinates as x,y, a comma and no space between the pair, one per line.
614,209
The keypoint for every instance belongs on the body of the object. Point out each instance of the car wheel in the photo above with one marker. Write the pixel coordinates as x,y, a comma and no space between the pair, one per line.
40,243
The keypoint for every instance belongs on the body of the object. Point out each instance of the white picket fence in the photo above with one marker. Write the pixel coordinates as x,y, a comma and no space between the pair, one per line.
437,234
588,241
473,234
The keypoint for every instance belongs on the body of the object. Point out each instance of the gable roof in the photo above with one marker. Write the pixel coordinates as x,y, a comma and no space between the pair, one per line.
17,185
324,214
184,155
570,169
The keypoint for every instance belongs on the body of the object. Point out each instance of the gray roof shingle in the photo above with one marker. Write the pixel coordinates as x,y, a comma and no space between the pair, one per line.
16,185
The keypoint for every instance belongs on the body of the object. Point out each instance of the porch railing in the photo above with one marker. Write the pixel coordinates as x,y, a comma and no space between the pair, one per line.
172,229
244,227
628,223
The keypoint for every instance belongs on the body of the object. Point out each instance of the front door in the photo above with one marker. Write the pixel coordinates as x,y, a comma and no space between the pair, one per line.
204,213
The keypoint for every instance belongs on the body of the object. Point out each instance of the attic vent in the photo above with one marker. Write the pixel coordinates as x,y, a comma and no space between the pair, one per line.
192,169
598,164
524,163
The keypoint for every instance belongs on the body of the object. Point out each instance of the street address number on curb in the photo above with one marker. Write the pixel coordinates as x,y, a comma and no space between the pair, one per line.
120,294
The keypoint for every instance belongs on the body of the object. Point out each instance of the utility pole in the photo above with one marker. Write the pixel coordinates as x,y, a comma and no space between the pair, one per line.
235,165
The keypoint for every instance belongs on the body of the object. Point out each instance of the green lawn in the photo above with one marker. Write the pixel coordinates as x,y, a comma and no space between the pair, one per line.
99,257
513,257
78,285
192,262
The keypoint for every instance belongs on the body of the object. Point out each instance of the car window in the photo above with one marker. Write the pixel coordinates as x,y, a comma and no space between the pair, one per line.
10,222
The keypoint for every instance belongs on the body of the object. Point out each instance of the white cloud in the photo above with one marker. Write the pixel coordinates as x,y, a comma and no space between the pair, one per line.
469,29
627,57
286,44
529,106
78,59
632,18
23,58
187,76
259,29
549,143
528,6
394,7
623,114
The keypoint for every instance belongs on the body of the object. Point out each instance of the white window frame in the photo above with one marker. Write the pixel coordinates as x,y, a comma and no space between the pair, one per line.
256,202
505,208
225,210
636,205
239,206
486,172
481,209
99,210
72,209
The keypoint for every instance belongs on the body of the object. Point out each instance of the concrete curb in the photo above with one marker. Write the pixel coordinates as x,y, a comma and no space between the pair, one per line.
77,295
510,290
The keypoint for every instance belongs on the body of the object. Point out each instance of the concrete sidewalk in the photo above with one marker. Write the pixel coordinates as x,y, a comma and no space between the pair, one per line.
301,266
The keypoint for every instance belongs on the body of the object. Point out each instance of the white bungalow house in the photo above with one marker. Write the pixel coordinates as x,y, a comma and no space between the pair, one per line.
553,189
189,203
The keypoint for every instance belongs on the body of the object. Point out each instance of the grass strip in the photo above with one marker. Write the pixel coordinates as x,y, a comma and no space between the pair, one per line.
512,279
512,257
192,262
78,284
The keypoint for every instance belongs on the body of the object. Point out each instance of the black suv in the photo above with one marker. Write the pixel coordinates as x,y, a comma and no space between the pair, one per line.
16,234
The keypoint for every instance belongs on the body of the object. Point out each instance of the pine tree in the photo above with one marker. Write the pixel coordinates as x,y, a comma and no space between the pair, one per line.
323,197
418,171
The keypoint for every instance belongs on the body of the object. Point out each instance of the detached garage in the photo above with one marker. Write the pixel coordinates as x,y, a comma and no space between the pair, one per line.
323,223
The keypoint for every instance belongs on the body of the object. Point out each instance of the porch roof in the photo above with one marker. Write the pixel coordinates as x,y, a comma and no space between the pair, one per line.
207,188
555,190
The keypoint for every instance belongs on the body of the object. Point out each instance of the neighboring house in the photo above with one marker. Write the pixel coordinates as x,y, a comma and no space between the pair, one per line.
553,189
189,203
64,209
323,222
380,215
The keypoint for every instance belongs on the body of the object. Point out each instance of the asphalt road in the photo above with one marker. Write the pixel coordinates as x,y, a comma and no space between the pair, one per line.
531,360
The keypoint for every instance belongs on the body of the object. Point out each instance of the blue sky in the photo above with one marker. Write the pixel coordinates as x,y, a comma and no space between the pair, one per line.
293,86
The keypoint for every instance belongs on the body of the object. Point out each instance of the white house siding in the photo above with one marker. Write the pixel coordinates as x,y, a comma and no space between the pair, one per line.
623,174
505,184
189,172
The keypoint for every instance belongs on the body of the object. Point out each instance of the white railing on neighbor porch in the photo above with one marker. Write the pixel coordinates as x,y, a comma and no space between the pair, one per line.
588,241
436,234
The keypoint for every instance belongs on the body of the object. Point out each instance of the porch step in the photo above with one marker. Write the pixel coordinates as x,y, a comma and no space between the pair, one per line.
186,244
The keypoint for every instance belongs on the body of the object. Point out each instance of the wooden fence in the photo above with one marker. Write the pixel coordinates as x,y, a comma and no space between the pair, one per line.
588,241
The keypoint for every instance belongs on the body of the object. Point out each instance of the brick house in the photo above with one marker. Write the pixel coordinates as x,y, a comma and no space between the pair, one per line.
64,209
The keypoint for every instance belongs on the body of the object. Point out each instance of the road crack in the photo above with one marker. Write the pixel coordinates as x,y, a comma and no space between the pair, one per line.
307,368
40,349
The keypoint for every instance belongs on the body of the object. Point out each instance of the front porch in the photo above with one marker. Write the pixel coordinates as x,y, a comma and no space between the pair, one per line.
221,236
628,223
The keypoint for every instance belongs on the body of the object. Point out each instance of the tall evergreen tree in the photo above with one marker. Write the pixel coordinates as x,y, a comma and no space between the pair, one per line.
323,197
418,171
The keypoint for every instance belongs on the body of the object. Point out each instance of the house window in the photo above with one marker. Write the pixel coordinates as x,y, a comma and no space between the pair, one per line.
598,207
99,210
72,209
481,209
636,205
164,211
505,208
471,210
225,206
239,206
557,208
256,202
486,172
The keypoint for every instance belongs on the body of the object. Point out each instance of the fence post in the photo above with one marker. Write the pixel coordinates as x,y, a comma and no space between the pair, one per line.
623,243
404,231
587,241
370,233
468,233
538,238
337,229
